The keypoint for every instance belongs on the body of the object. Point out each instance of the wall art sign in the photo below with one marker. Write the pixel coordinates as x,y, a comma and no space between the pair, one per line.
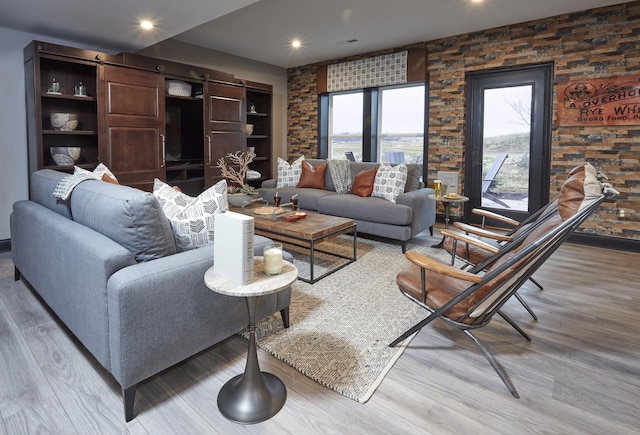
383,70
606,101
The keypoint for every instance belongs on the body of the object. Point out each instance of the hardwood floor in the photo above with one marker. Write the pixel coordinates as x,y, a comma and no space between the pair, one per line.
579,374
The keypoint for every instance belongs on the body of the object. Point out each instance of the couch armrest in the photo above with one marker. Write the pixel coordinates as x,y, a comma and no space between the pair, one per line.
423,204
161,312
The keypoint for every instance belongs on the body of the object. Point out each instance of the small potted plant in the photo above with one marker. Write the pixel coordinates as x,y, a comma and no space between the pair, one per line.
238,192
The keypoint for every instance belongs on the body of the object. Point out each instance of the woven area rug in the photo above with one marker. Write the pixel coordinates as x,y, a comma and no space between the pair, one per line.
342,325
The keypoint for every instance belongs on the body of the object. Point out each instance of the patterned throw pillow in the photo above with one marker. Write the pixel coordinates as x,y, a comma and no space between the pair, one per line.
289,175
101,172
191,219
390,181
340,171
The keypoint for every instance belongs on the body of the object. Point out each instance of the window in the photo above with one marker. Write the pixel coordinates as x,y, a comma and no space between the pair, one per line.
375,124
345,124
401,136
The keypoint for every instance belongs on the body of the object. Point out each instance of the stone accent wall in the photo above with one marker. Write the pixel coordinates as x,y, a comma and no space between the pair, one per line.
589,44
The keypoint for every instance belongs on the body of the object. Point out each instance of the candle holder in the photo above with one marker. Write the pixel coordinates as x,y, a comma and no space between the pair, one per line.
272,257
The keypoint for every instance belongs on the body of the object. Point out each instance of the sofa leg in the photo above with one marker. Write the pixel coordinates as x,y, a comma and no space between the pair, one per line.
404,247
16,274
284,313
431,230
128,399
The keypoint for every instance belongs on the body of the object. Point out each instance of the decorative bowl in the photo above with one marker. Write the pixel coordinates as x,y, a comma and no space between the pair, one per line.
65,156
64,121
301,214
290,217
248,128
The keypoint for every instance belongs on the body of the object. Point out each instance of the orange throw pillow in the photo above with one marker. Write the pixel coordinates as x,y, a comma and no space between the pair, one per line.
108,179
363,183
312,177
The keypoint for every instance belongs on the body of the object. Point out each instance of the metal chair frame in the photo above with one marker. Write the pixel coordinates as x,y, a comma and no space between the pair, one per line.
530,257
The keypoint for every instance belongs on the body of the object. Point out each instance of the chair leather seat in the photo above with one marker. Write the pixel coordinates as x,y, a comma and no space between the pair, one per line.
440,289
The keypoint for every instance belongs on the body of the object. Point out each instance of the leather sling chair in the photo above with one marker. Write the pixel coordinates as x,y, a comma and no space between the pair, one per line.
469,300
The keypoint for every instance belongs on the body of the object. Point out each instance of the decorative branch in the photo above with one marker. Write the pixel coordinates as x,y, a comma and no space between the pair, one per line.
237,176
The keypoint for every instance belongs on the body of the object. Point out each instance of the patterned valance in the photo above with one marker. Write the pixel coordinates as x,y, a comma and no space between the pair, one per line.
383,70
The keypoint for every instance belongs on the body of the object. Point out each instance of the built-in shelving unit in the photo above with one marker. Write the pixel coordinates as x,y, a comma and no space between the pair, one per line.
133,118
259,99
184,139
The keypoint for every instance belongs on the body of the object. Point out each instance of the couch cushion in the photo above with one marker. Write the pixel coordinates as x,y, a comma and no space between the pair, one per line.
129,216
390,181
192,219
289,174
366,209
413,177
43,183
363,182
312,177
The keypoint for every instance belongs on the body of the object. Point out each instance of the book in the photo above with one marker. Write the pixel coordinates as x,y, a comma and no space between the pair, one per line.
233,247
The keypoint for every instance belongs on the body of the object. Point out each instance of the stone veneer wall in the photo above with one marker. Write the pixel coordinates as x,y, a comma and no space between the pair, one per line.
589,44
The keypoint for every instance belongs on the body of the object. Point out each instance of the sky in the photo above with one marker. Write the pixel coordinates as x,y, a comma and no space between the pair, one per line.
403,111
500,117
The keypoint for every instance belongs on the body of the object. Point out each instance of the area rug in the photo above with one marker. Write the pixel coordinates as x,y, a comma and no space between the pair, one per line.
342,325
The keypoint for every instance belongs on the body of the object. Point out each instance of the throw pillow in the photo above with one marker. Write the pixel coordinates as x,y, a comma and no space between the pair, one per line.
312,177
289,174
580,189
101,172
363,182
192,219
340,171
390,181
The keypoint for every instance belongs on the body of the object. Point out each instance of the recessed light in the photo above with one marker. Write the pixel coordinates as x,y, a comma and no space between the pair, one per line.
146,24
296,43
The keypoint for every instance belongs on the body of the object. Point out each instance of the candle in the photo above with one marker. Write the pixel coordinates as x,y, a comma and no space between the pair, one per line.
272,258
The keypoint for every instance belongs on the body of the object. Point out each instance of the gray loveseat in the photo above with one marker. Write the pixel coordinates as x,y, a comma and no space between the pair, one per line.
413,212
105,262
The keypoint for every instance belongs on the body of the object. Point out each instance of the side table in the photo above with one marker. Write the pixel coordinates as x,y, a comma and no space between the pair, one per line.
252,396
447,202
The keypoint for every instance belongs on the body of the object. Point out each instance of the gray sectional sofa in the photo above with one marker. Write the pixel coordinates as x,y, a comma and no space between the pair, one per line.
105,262
413,212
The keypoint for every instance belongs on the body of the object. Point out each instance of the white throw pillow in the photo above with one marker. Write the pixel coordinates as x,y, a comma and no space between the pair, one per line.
390,181
191,219
289,174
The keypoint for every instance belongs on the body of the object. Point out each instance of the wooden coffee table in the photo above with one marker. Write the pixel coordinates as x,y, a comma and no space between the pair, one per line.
307,233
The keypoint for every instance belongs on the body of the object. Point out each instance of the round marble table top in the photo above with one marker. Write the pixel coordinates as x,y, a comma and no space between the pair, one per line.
262,283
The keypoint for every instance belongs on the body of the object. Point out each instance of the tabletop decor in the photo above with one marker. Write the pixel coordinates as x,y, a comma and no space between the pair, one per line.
238,192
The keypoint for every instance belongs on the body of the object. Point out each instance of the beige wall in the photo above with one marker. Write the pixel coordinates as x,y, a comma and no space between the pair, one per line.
590,44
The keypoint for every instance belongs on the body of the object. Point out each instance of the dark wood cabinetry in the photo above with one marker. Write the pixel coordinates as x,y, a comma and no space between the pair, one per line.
184,129
50,81
258,99
134,125
132,121
224,125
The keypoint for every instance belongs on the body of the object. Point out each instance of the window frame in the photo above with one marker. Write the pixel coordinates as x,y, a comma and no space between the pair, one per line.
371,121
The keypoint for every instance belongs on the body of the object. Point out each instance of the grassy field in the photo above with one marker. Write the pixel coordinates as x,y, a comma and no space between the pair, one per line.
512,179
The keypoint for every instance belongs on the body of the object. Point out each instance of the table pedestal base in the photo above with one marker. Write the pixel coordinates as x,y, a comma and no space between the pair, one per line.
248,401
253,396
